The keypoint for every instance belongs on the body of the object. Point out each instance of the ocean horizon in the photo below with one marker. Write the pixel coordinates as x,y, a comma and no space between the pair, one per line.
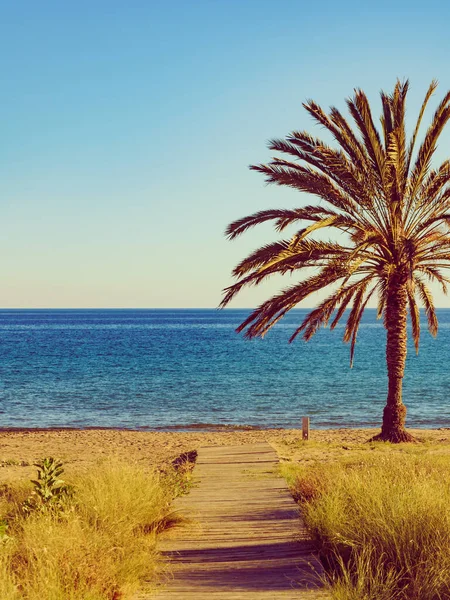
182,369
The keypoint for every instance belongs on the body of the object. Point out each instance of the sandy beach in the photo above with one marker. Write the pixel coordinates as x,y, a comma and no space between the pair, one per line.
80,448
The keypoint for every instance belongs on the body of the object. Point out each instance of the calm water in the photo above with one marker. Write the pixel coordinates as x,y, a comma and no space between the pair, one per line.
170,368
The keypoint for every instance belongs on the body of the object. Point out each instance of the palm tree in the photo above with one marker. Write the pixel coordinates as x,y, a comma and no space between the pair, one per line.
391,212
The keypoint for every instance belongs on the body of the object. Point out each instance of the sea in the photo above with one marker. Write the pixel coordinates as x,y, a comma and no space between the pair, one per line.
188,369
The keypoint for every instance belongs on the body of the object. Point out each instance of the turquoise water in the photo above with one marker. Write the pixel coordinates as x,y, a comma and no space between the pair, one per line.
168,369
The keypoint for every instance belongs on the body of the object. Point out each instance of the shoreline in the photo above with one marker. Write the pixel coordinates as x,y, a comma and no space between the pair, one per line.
207,428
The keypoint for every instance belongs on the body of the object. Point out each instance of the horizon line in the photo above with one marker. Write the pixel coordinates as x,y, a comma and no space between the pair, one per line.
164,308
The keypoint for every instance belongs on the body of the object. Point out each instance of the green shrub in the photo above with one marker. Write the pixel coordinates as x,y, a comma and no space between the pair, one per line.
50,493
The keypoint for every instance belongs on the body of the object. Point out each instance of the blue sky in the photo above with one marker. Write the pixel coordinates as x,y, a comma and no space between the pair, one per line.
127,130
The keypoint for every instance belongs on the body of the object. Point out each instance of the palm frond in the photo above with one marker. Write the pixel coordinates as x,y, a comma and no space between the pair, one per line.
345,301
271,311
427,301
308,180
360,110
321,315
351,145
396,155
288,255
354,319
428,146
398,100
434,274
382,296
340,130
412,143
386,119
415,316
356,328
282,218
334,163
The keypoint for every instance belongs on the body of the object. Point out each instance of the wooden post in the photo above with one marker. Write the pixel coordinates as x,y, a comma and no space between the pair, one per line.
305,428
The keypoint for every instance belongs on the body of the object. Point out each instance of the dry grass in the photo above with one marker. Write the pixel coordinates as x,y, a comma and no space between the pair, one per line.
381,518
100,546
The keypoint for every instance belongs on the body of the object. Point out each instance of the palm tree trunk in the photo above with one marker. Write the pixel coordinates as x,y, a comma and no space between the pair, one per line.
394,414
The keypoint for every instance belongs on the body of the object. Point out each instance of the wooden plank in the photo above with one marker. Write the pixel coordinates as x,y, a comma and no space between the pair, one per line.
245,539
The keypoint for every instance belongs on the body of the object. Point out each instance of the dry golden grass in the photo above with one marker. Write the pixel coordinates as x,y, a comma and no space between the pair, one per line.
100,546
380,515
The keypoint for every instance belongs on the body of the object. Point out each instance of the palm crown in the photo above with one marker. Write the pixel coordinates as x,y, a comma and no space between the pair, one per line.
391,212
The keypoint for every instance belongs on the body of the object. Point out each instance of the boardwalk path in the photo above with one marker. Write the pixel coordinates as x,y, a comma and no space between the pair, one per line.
246,540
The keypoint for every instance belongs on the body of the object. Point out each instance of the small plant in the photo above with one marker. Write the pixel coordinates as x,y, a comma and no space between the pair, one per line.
50,493
180,473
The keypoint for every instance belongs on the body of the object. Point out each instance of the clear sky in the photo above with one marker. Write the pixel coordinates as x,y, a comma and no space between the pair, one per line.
127,129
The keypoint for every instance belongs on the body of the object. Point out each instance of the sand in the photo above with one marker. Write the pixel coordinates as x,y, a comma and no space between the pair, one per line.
80,448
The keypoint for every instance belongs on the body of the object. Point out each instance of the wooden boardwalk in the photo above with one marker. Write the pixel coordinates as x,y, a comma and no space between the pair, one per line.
245,540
